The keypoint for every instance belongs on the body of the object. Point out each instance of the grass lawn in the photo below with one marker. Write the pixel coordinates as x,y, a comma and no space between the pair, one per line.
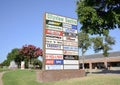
4,69
25,77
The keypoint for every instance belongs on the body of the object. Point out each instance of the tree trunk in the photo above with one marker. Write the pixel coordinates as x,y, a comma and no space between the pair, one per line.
83,58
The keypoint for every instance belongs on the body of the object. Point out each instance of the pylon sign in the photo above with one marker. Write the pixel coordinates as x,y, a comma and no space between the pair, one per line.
60,43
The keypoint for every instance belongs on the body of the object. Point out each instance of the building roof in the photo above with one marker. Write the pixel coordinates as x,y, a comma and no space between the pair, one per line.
111,54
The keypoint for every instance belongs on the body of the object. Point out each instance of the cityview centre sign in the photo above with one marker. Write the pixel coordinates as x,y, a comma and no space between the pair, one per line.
60,43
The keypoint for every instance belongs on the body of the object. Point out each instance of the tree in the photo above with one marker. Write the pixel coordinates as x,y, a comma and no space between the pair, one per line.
98,16
30,52
37,62
84,43
18,59
11,56
103,44
5,63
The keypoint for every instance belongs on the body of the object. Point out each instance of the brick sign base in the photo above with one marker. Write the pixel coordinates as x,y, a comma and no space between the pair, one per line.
56,75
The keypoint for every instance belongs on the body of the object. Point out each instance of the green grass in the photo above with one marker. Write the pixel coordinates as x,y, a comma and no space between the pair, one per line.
25,77
4,69
20,77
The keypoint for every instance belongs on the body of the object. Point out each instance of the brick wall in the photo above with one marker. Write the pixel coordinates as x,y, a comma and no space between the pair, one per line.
56,75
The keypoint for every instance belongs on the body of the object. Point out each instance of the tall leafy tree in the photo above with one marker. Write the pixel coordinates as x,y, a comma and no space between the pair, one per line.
13,55
84,43
103,44
98,16
30,52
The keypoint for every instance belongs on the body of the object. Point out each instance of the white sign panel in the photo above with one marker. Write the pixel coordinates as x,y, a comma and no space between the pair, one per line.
69,30
70,43
71,66
71,62
49,56
54,67
71,21
72,48
54,46
54,42
70,52
48,51
54,27
65,25
70,39
54,37
55,17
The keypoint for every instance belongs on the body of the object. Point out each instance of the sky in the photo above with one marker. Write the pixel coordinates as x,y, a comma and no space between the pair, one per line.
21,22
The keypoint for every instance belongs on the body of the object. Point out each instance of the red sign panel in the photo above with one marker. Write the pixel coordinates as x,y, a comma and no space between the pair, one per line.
53,32
50,62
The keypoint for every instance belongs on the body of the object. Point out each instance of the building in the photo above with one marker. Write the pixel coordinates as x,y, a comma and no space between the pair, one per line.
98,61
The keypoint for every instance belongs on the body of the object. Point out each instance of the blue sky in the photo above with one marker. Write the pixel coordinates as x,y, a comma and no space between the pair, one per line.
21,22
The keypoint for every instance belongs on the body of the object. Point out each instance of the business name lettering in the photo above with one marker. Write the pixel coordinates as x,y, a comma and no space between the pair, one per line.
53,32
49,22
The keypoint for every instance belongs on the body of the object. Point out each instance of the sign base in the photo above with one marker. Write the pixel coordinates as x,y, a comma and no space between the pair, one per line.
57,75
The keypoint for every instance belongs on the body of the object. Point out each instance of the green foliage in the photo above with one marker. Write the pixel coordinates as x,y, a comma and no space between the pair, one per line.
23,54
103,44
98,16
11,56
84,41
98,42
36,63
5,63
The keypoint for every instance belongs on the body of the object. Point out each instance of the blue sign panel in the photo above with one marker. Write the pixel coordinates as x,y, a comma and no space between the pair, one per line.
60,62
74,27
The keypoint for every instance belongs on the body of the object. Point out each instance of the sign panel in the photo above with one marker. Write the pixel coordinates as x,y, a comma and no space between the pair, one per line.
70,52
55,17
48,51
54,46
54,42
71,57
53,32
54,27
71,66
54,23
72,48
53,67
74,35
53,37
69,30
70,39
65,25
71,43
49,56
71,62
74,27
71,21
58,62
49,61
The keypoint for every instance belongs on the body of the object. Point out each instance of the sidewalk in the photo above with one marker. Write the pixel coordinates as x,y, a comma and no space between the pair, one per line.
1,73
